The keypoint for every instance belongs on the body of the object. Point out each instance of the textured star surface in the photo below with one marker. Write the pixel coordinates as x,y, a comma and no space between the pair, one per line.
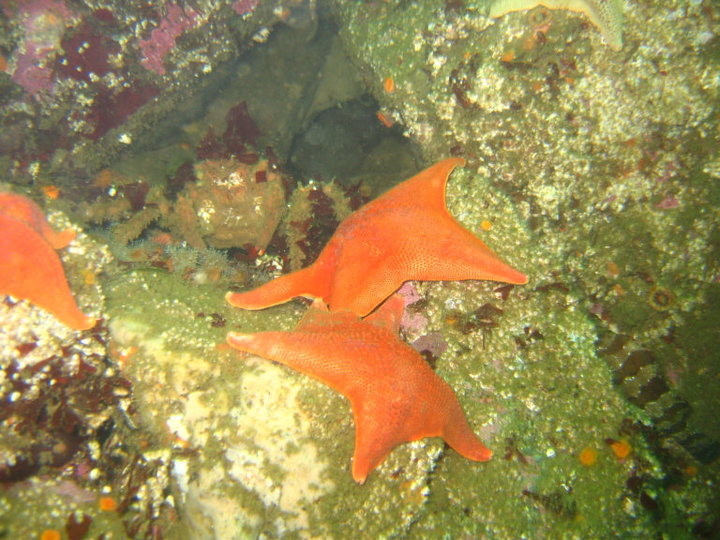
605,14
30,269
25,210
405,234
395,396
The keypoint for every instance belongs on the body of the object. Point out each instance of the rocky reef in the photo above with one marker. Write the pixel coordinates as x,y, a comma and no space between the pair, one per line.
205,147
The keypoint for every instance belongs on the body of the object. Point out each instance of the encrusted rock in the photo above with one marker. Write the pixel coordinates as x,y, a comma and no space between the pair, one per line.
234,204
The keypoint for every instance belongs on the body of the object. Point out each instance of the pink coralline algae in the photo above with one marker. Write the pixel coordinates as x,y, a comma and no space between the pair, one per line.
31,75
411,322
415,323
409,293
245,7
44,22
668,203
163,38
87,49
433,343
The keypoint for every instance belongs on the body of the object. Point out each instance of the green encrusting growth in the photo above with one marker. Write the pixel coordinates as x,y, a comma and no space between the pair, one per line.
605,14
618,206
588,190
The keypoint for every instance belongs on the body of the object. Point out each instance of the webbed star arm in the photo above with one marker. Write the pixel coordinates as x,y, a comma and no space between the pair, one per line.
307,282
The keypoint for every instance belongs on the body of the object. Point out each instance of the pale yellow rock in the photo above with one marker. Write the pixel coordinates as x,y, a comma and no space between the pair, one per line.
605,14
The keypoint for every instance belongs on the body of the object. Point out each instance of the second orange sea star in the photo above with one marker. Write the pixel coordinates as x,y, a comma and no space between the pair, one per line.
405,234
30,268
395,396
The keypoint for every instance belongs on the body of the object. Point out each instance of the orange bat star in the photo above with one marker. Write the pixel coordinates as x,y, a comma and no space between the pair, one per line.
30,268
395,396
23,209
405,234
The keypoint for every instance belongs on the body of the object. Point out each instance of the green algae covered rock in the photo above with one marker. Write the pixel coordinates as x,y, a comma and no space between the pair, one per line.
597,171
252,447
593,171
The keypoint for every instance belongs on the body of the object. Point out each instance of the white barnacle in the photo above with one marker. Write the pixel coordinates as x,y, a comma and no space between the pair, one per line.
206,210
261,35
257,205
235,179
34,168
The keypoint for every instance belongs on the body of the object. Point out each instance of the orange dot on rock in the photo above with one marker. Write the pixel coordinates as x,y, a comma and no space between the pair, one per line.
89,277
51,192
588,456
386,120
613,269
50,534
389,85
621,449
485,225
107,504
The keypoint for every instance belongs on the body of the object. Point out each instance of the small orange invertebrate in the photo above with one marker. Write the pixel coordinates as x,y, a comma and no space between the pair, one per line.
389,85
124,356
485,225
51,192
387,121
588,456
88,277
107,504
50,534
508,56
621,448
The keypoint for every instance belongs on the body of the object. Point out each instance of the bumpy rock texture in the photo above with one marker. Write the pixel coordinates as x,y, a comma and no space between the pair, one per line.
598,171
